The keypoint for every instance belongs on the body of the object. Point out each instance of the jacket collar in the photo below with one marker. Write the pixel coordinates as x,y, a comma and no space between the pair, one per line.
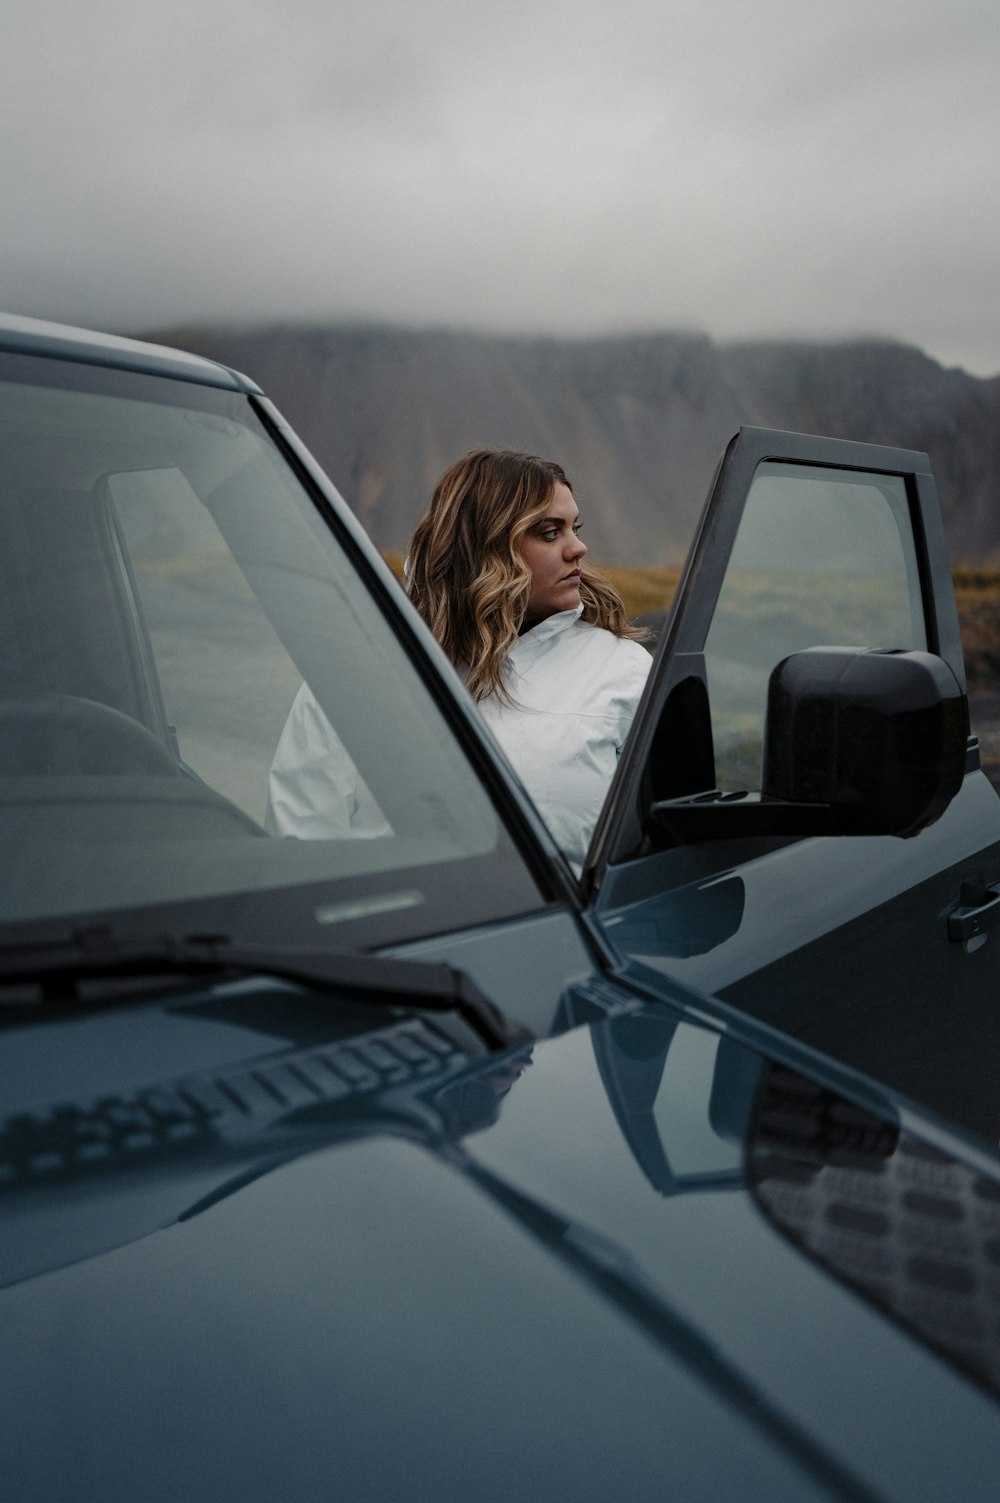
551,626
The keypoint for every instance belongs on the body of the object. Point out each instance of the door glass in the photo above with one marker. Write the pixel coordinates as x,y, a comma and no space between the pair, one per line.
822,558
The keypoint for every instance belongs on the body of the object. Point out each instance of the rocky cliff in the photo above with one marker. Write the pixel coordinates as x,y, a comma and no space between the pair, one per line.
638,422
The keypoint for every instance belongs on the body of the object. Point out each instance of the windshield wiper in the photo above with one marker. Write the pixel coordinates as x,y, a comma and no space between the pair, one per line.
54,972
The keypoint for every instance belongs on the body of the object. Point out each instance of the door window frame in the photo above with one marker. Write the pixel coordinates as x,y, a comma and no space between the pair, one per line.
658,764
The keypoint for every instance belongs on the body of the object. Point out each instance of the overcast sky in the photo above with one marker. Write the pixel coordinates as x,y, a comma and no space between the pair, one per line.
744,167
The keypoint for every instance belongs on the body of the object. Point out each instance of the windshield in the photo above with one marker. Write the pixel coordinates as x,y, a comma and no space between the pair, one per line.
201,703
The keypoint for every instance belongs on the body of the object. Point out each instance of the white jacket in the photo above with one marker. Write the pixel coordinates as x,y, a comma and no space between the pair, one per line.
315,791
576,689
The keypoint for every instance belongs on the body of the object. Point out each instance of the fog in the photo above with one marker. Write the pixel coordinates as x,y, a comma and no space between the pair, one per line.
782,168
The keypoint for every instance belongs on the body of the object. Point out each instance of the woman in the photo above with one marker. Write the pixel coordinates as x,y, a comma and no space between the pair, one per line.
496,570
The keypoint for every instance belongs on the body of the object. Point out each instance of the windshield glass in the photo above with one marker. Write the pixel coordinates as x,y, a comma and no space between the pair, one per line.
200,700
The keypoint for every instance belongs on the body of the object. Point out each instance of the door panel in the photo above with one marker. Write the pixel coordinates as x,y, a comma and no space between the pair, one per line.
842,942
893,996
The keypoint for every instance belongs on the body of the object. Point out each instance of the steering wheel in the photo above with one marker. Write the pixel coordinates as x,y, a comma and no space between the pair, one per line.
62,733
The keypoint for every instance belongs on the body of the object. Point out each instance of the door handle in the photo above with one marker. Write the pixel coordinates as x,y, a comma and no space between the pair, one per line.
978,911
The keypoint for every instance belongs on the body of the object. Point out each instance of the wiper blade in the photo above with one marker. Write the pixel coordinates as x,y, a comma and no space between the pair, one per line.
55,972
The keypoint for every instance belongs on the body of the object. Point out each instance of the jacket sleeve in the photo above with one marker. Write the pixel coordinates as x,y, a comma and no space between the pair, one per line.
314,790
635,671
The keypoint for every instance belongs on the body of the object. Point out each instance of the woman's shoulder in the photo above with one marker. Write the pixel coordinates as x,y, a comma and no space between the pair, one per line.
622,651
595,670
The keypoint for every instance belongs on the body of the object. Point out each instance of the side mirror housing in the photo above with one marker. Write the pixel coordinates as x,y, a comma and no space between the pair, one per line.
878,737
856,742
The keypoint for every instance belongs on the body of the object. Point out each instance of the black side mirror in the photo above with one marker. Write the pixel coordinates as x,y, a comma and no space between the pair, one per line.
879,737
856,742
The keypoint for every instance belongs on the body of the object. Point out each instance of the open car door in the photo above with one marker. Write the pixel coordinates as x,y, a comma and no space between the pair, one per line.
799,828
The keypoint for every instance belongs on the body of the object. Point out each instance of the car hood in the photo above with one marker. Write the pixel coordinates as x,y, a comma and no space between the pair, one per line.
535,1276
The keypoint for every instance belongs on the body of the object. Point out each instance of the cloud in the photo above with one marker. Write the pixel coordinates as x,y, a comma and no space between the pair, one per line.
786,167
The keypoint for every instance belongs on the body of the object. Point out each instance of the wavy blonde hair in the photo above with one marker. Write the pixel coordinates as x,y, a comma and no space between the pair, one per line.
465,570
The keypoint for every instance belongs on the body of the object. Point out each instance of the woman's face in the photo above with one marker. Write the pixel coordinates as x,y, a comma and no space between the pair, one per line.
552,551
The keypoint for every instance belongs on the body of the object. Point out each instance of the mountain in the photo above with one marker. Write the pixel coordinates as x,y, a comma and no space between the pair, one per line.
638,422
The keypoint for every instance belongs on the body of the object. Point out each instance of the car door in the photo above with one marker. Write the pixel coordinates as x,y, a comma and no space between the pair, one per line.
874,948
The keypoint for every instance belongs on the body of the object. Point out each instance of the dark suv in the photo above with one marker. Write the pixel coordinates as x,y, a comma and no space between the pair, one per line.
401,1163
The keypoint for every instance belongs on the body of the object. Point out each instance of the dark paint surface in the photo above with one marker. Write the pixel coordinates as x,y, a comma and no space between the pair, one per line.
916,1231
362,1323
715,1259
844,946
466,1277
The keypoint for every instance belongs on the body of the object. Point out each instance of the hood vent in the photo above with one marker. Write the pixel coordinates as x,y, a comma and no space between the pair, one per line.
209,1110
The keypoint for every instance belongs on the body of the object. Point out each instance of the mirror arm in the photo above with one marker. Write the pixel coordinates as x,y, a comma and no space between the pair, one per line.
730,816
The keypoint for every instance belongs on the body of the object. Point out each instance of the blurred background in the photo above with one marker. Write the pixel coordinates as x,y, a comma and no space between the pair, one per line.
606,234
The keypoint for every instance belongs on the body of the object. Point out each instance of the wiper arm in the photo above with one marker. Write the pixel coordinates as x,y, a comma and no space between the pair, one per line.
56,970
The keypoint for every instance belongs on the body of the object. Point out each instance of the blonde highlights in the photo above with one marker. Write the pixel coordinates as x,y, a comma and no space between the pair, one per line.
465,571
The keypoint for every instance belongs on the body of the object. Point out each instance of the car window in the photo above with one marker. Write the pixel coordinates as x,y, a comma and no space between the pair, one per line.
178,617
822,557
